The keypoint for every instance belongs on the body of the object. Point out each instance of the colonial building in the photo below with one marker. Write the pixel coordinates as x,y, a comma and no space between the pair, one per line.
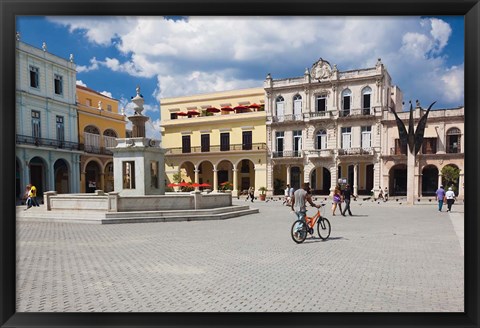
99,124
326,125
47,154
216,138
443,145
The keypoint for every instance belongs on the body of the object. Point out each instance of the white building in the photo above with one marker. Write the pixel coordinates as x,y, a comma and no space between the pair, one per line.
46,121
326,126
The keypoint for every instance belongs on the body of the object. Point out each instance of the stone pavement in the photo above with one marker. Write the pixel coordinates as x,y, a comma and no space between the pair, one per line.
387,258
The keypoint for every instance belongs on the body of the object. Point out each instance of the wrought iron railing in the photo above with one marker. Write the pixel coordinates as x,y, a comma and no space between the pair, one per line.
287,154
356,151
45,142
218,148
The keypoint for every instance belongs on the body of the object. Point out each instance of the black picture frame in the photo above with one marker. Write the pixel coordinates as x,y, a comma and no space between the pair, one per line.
470,9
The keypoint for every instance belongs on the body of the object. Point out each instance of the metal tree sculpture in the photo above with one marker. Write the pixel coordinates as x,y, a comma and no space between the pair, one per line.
413,138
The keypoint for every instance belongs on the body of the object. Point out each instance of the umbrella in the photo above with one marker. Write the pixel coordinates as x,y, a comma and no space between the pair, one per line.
182,114
227,108
184,184
195,185
172,185
254,106
213,110
204,185
240,108
192,112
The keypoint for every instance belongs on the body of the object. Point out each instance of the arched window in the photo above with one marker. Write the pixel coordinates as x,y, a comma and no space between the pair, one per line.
109,137
321,139
280,107
453,140
346,102
366,100
92,139
297,106
91,129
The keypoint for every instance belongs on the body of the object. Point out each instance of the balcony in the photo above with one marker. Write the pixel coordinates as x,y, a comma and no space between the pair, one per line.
286,118
44,142
358,112
217,149
319,153
287,154
356,151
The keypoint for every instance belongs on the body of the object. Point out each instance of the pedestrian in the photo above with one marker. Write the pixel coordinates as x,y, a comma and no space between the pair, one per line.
26,197
286,200
450,195
440,197
337,200
380,195
347,194
251,192
291,191
385,194
32,194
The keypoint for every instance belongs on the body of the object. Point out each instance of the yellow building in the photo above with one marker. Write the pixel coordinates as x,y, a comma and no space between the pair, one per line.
216,138
99,124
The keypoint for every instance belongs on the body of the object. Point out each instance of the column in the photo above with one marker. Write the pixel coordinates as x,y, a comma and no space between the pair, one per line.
439,179
460,185
288,175
235,182
215,179
197,177
355,179
410,177
102,181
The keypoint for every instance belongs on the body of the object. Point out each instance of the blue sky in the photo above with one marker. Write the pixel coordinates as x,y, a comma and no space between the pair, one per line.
178,56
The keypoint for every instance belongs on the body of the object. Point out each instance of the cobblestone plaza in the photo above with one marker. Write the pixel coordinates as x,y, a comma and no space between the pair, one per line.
388,257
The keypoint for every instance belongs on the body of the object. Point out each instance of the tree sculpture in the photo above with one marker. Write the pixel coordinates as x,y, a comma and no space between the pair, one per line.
414,139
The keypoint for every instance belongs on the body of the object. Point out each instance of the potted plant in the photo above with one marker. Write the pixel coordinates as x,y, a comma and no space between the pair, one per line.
262,195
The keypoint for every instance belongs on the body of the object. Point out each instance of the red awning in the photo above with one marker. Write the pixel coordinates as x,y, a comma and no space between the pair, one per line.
227,108
192,112
254,106
240,108
213,110
182,114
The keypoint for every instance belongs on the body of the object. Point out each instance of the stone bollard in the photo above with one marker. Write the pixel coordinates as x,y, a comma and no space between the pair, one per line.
46,199
113,201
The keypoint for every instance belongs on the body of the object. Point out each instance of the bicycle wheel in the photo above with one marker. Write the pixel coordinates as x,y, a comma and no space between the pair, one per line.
323,228
299,231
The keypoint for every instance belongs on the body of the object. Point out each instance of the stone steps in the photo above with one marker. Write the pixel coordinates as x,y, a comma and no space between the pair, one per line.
102,217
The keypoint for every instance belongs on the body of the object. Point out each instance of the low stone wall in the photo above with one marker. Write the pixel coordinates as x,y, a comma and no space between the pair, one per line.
113,202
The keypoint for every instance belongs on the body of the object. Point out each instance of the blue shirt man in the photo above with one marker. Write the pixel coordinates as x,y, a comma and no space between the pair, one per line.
440,196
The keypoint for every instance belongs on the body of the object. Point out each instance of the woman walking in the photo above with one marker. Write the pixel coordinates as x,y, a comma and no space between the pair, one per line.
337,200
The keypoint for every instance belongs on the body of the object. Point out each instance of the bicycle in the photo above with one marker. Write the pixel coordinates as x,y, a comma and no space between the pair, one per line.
300,229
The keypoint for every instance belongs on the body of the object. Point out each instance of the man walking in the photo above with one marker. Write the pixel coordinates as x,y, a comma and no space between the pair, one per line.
440,197
450,195
347,194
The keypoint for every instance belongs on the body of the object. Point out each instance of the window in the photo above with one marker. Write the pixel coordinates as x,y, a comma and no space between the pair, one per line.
297,143
279,143
186,147
399,150
36,127
453,140
109,138
34,77
109,108
60,129
224,141
128,173
346,138
58,84
321,139
429,146
247,140
88,102
366,137
92,139
321,103
173,116
297,107
280,102
346,99
205,142
366,95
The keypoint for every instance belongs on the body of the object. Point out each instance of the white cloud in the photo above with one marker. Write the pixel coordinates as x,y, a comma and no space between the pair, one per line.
80,82
106,93
205,54
453,79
